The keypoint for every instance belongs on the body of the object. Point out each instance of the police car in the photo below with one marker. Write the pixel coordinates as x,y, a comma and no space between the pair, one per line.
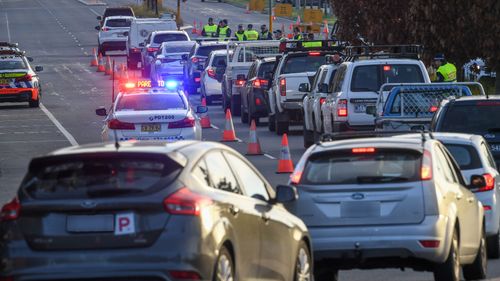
142,112
18,81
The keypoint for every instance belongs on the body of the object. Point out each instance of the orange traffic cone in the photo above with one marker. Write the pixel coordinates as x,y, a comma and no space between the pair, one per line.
205,119
254,143
94,61
108,70
285,164
194,30
100,65
229,134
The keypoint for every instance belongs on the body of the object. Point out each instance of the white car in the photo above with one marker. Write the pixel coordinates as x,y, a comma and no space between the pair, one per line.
168,61
211,77
151,114
111,35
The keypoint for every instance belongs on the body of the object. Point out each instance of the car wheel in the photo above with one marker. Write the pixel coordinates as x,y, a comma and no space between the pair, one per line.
308,137
244,115
493,246
303,264
271,124
477,270
235,107
281,126
450,269
224,269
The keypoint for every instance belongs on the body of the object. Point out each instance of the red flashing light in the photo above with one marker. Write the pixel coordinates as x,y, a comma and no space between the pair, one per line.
129,85
116,124
426,168
187,122
490,183
322,101
430,243
188,275
185,202
387,68
240,83
11,210
342,108
152,50
363,150
314,54
486,208
211,72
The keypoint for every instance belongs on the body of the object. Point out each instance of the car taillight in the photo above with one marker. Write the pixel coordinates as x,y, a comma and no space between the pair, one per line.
188,275
11,210
27,77
342,108
195,59
433,108
185,202
282,87
152,50
486,208
197,79
490,183
322,101
240,83
296,176
259,83
211,72
363,150
105,29
430,243
426,168
184,123
135,50
116,124
258,102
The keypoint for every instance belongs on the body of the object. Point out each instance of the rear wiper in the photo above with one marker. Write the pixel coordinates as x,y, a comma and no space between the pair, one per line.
378,179
493,130
111,191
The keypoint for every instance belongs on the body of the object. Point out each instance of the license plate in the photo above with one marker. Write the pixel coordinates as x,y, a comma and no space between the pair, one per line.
151,128
4,81
495,147
360,209
360,108
92,223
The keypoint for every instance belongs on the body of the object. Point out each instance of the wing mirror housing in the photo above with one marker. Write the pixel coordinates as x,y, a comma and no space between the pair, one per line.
38,68
201,109
371,110
304,87
286,193
101,111
477,182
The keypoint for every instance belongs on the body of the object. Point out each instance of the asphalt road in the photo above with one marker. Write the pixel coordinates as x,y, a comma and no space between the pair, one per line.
59,35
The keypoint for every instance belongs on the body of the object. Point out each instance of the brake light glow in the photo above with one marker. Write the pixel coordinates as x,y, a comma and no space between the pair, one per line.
197,79
363,150
135,50
426,168
27,77
11,210
189,275
486,208
211,72
240,83
130,85
282,87
322,101
430,243
433,108
490,183
185,202
152,50
105,29
116,124
387,68
259,83
314,54
258,102
342,108
296,176
195,59
187,122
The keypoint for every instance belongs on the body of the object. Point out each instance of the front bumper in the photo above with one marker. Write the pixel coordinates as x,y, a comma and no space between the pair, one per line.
18,94
114,45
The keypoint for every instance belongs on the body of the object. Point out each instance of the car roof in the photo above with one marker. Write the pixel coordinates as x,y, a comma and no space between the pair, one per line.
118,17
169,32
210,43
221,52
177,43
472,99
457,138
380,142
381,61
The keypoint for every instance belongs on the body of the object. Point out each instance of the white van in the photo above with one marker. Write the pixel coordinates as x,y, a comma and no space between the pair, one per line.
139,31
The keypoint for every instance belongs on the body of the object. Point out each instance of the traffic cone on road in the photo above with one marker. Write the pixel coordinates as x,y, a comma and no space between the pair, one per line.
108,70
94,61
253,142
326,32
205,119
100,64
285,164
194,30
298,20
229,134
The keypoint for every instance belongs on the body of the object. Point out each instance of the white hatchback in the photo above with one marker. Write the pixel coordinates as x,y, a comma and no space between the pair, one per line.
151,114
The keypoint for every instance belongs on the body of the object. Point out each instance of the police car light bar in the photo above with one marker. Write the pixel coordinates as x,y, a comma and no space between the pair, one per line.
389,51
12,53
147,84
315,45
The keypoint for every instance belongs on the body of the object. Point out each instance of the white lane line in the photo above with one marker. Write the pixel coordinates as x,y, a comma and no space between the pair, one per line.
95,13
8,27
65,132
214,127
270,156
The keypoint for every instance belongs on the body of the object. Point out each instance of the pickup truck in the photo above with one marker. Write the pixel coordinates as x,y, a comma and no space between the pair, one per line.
244,54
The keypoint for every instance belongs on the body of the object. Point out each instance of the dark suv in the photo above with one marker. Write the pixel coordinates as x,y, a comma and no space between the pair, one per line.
478,115
194,63
115,11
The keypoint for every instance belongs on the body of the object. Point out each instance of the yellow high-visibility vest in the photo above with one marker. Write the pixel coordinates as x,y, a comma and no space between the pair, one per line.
210,30
449,72
240,36
251,35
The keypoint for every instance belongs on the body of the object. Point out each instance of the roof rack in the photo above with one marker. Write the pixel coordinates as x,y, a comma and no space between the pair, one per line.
12,53
384,51
370,134
8,44
315,45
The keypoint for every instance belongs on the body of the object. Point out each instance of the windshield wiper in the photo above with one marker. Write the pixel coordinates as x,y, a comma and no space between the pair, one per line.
380,179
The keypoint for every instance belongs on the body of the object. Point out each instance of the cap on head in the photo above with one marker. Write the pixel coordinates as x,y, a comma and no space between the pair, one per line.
250,26
263,26
277,31
224,21
240,25
439,57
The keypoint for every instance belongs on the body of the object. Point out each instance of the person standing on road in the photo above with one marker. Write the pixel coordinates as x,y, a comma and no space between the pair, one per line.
264,33
251,34
296,33
240,34
278,35
210,29
446,72
223,31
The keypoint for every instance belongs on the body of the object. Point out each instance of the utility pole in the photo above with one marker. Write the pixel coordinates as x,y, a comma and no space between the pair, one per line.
271,15
156,8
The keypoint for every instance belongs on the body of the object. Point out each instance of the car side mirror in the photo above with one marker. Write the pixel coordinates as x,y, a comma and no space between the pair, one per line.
141,45
477,182
201,109
38,68
241,77
323,88
304,87
286,193
371,110
101,111
125,33
99,18
30,59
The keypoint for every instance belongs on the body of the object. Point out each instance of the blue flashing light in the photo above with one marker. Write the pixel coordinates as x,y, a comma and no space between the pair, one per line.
171,84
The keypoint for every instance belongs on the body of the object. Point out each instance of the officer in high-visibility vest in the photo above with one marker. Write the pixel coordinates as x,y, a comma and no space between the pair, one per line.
210,29
240,34
278,35
310,43
223,31
296,33
264,33
251,34
446,72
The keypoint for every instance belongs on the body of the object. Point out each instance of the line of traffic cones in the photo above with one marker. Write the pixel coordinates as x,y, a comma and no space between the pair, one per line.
253,142
205,119
200,29
100,64
108,70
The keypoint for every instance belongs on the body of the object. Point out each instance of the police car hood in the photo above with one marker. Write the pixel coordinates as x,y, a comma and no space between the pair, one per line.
151,116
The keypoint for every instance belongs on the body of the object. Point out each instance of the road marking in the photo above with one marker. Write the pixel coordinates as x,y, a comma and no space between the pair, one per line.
8,27
68,136
270,156
214,127
95,13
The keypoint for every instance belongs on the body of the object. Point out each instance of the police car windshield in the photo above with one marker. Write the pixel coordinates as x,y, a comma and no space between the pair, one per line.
297,64
10,64
160,38
150,102
118,23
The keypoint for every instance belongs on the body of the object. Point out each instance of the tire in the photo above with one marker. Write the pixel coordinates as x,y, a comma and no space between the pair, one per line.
281,126
450,269
271,125
308,137
303,264
477,270
235,107
224,267
493,246
244,115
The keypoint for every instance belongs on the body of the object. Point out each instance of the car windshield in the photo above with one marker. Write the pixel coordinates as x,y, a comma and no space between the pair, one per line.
369,78
367,166
186,48
477,118
118,23
204,51
12,64
160,38
297,64
465,155
150,102
96,176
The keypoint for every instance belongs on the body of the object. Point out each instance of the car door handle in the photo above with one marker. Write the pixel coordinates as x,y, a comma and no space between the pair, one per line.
234,210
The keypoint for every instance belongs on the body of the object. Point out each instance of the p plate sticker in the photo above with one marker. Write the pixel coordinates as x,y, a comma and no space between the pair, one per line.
124,224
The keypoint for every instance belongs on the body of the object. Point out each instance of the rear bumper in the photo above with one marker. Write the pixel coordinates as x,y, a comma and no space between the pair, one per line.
261,110
18,94
344,126
352,247
114,45
185,134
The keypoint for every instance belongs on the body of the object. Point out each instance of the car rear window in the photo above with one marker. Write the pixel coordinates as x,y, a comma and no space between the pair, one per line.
376,166
118,23
204,51
219,61
118,12
479,118
265,67
369,78
12,64
465,155
178,49
98,175
150,102
297,64
160,38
